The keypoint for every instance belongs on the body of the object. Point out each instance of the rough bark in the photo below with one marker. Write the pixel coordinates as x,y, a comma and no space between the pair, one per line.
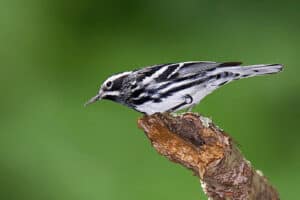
196,143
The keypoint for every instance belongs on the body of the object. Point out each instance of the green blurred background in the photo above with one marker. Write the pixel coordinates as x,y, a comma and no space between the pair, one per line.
54,54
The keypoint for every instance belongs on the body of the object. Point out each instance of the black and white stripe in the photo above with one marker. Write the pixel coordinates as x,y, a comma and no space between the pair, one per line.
175,86
173,78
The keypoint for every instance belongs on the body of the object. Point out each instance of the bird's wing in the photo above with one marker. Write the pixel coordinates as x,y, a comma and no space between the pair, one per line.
171,71
184,69
188,68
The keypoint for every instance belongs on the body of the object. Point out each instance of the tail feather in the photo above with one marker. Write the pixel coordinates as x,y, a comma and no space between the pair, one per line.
256,70
224,75
251,70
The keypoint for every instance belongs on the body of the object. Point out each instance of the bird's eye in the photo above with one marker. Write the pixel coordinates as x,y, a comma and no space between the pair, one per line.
109,84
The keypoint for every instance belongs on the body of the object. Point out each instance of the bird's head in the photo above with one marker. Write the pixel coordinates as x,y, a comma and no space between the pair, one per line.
110,89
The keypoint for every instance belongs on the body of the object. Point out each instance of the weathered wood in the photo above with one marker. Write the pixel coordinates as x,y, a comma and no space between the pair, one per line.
196,143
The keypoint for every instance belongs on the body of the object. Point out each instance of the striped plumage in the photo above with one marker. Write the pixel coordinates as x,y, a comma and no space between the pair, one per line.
172,87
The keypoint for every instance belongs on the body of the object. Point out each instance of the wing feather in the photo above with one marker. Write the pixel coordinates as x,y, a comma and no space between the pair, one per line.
172,71
199,67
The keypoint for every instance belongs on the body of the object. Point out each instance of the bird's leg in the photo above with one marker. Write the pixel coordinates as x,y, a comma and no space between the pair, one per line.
191,108
176,107
188,99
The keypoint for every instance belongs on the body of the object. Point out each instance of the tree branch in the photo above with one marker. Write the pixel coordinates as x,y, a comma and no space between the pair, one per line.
196,143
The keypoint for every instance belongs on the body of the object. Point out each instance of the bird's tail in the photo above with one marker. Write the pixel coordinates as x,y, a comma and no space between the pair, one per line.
255,70
224,75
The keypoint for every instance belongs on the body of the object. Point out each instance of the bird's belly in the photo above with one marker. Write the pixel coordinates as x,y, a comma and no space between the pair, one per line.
178,98
158,107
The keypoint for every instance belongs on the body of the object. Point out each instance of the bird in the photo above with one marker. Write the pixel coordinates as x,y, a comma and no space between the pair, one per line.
174,86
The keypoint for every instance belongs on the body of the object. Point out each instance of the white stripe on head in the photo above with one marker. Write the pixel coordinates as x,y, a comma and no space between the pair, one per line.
111,93
116,76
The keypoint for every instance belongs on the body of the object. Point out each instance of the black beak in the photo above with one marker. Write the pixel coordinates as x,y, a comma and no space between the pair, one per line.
94,99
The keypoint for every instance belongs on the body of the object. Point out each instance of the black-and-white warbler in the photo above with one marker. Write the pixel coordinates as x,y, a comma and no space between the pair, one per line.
173,87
